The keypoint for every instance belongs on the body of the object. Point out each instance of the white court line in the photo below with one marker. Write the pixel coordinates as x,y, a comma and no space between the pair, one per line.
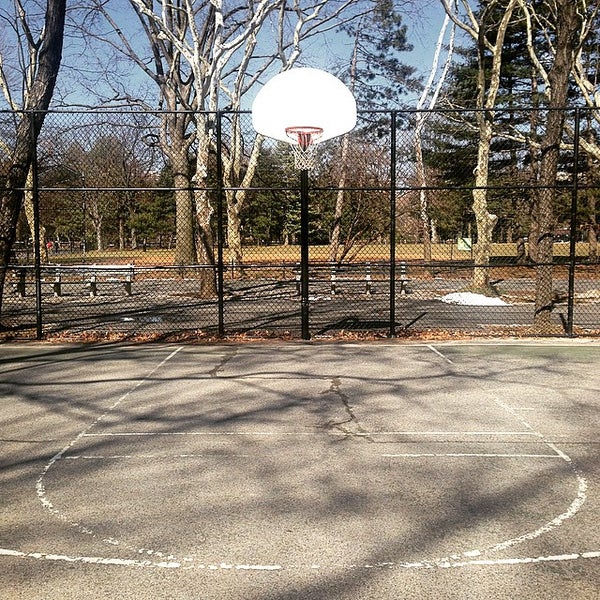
39,484
434,350
415,433
469,455
575,505
152,456
208,455
459,560
175,564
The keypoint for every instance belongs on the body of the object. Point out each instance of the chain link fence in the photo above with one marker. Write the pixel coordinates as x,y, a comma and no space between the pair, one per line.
161,225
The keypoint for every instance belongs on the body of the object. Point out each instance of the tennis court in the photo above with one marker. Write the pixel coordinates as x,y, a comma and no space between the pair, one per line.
300,470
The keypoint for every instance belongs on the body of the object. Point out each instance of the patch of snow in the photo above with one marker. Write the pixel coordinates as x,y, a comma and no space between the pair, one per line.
471,299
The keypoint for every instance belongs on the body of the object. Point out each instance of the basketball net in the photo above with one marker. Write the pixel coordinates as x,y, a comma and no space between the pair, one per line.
304,145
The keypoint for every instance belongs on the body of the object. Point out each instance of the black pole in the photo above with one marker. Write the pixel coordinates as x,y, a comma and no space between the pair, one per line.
220,226
304,254
35,196
573,229
392,332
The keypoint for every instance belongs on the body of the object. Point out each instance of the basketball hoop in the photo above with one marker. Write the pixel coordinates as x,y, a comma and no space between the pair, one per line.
304,95
304,141
303,107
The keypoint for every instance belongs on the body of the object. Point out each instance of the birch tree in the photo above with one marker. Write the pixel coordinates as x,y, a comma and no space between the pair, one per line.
427,101
27,89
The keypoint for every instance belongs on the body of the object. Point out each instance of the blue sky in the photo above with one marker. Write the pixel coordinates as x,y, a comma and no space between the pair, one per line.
423,33
423,22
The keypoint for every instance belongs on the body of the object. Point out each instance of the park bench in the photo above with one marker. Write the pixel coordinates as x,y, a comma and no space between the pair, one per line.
403,278
340,275
336,275
90,275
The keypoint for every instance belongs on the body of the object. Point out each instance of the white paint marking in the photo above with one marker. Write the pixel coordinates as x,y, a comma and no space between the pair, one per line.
573,507
554,523
436,351
558,451
468,455
39,485
171,564
124,562
149,456
452,561
309,433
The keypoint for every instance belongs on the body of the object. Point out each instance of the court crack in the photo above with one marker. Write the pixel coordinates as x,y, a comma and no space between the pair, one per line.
350,427
230,355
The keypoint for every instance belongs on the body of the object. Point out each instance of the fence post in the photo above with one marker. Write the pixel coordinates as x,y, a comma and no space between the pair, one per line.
304,287
573,228
392,324
220,225
35,197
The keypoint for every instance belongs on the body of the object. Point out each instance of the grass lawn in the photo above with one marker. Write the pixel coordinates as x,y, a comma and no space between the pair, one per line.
291,254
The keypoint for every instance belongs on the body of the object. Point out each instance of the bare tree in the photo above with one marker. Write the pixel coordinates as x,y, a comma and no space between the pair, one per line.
489,33
296,23
204,57
567,20
427,101
39,44
376,77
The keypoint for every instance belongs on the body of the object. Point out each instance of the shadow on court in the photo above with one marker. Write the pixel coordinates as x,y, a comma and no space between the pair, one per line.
283,471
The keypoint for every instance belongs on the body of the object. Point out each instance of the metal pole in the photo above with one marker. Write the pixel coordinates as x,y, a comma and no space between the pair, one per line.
573,229
35,196
220,225
304,308
392,332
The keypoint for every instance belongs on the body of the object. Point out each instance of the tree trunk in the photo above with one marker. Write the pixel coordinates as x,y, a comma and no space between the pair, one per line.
423,200
567,25
98,227
484,220
592,230
30,216
336,230
184,225
175,145
486,101
10,203
593,244
121,233
234,235
204,211
37,98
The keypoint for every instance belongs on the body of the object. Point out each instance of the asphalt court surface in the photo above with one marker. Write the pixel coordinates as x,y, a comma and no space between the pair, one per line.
300,470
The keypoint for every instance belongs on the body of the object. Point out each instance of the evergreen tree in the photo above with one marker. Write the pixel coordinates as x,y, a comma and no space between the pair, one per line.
376,74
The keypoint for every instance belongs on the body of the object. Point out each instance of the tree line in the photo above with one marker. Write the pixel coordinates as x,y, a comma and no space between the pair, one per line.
198,58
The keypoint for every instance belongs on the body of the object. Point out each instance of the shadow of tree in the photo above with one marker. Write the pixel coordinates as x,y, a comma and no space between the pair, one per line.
242,454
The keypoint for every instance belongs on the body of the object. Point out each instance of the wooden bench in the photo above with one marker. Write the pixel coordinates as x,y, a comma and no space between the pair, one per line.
339,274
92,276
343,274
404,279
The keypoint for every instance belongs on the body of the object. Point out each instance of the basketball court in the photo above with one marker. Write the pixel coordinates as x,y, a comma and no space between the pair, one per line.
300,470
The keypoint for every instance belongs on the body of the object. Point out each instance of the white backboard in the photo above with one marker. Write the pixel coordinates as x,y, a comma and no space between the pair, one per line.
304,97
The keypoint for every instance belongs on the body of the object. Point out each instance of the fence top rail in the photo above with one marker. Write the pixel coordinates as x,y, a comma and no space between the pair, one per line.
361,111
